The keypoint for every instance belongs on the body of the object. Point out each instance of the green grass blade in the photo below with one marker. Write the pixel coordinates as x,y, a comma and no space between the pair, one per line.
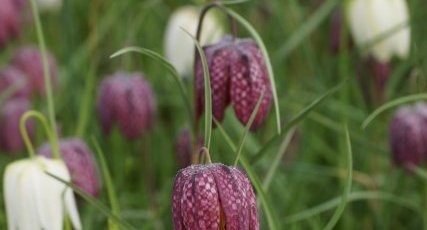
263,49
95,203
392,104
340,209
169,67
306,29
295,120
9,91
208,93
354,196
115,208
248,125
266,204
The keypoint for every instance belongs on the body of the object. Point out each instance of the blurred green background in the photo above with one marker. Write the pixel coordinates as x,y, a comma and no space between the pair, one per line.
83,34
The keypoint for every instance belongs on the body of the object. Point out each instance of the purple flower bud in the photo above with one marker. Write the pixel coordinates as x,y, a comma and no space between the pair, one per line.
80,162
10,135
238,75
13,77
184,147
126,98
9,21
213,196
29,61
408,137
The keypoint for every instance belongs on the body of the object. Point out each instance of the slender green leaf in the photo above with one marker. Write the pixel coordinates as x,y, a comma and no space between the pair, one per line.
95,203
248,125
392,104
266,204
208,93
263,49
168,66
9,91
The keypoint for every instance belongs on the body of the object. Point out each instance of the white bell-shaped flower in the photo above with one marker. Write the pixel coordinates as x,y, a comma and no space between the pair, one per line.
179,47
371,19
34,200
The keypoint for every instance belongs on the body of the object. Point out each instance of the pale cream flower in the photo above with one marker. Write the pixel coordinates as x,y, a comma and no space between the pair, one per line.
34,200
371,19
179,47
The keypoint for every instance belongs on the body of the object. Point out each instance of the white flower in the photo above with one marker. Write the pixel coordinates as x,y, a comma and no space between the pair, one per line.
179,47
34,200
370,19
49,5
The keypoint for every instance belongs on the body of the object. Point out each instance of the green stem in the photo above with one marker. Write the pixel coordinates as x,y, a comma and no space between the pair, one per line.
26,138
47,77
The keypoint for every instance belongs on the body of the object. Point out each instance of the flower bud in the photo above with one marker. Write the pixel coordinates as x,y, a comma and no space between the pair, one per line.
29,61
371,19
35,200
238,75
10,135
13,77
408,137
126,98
9,21
184,147
213,196
80,162
177,42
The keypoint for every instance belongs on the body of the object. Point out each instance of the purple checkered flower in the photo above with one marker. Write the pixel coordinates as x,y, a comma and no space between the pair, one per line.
9,21
213,196
126,98
238,75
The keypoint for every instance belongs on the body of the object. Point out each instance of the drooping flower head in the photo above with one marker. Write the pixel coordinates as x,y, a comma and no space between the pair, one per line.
126,98
179,48
238,75
13,77
213,196
9,21
408,136
79,161
34,200
29,61
10,135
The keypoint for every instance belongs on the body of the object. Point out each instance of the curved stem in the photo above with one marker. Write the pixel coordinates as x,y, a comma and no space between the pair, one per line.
26,138
47,77
204,155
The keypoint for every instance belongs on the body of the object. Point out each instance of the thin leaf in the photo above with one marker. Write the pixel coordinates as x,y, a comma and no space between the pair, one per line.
295,120
347,189
208,93
9,91
263,49
94,202
115,208
168,66
248,125
354,196
392,104
266,204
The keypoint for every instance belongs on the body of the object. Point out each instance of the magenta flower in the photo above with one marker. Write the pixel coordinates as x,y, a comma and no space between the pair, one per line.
213,196
12,76
238,75
408,137
126,98
10,135
9,21
80,162
29,61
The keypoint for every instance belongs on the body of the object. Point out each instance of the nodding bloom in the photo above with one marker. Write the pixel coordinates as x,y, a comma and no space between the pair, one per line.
179,47
34,200
13,77
238,75
213,196
126,98
29,61
371,19
79,161
10,135
9,21
408,135
184,147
